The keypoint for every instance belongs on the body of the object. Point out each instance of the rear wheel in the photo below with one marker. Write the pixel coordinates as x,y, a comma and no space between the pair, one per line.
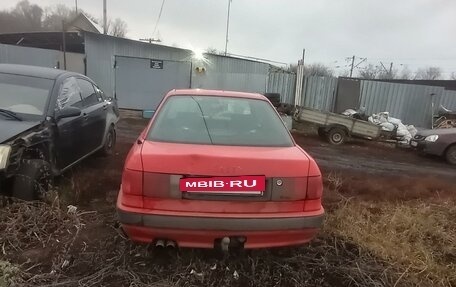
32,180
336,136
450,155
110,142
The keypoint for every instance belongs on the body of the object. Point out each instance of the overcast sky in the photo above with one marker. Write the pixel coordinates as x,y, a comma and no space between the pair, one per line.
416,33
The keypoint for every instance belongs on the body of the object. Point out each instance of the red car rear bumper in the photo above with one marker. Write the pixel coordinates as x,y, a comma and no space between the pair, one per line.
190,230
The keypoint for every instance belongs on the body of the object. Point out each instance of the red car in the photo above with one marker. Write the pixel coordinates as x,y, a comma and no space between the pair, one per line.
219,168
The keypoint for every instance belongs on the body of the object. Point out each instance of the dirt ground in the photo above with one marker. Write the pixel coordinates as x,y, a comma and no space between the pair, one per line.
52,245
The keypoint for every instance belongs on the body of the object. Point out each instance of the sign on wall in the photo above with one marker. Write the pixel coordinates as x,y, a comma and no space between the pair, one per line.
156,64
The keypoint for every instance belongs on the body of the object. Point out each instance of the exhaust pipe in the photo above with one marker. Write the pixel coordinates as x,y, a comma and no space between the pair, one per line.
225,244
170,244
160,244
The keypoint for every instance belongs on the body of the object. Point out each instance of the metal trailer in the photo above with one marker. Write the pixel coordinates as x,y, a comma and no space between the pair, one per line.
337,128
445,119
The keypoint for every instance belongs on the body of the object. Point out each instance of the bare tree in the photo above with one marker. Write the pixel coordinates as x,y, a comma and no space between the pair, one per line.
292,68
318,69
117,27
214,51
369,72
429,73
24,17
30,13
54,15
453,76
377,72
344,73
388,74
211,50
405,74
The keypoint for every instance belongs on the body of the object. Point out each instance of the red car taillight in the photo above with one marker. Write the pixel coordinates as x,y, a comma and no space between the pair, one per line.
314,193
314,187
132,182
132,188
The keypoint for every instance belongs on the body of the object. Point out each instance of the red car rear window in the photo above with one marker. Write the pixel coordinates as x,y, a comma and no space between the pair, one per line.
219,121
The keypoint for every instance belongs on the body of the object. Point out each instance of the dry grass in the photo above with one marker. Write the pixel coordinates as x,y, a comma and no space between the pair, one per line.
415,236
53,247
365,242
38,237
8,273
397,188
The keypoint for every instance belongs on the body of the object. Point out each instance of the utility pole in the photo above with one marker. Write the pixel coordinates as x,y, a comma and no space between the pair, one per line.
227,26
64,44
389,71
76,4
300,80
105,20
352,66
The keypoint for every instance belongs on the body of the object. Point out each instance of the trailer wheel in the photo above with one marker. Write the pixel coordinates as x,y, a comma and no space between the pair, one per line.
336,136
450,155
322,132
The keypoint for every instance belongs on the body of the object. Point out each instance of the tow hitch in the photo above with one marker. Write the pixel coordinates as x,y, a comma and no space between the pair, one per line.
230,243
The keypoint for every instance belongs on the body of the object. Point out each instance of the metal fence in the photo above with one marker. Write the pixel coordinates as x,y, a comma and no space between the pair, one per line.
448,100
228,73
284,83
225,73
10,54
410,103
319,93
101,52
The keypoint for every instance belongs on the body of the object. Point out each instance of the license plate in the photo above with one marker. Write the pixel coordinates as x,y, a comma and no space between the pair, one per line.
251,184
414,143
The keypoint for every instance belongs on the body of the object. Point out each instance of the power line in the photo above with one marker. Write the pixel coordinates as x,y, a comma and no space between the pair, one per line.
159,16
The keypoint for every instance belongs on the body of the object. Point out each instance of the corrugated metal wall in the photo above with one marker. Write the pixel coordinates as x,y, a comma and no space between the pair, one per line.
28,56
141,88
284,83
410,103
220,72
74,62
448,100
227,73
319,93
102,49
41,57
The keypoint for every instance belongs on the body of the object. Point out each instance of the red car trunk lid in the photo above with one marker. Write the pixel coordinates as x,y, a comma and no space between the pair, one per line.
212,160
